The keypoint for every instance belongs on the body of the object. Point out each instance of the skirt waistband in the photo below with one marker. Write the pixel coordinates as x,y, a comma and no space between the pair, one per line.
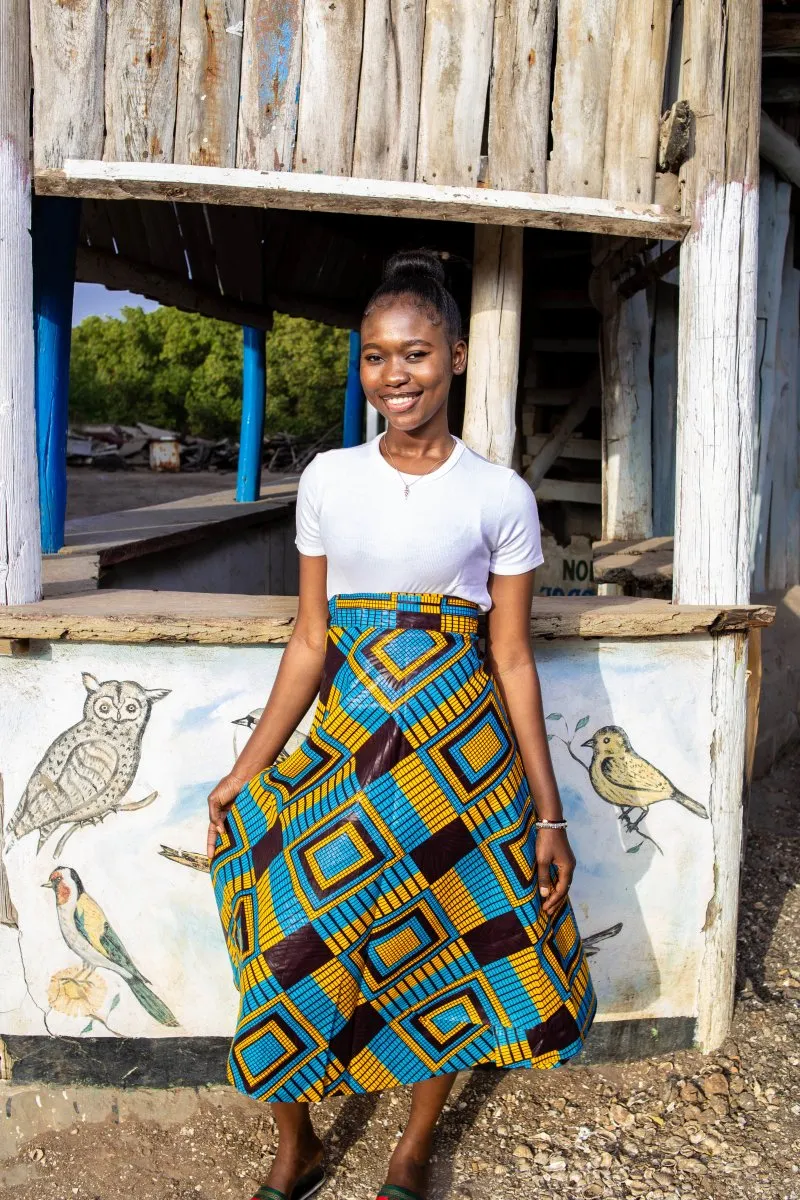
405,610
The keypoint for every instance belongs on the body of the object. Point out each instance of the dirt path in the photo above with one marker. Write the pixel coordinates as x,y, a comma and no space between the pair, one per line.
684,1127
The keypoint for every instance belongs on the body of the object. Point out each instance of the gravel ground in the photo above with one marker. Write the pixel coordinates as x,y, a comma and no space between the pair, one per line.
686,1127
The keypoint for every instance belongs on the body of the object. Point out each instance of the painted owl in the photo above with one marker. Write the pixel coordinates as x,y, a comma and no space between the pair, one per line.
89,768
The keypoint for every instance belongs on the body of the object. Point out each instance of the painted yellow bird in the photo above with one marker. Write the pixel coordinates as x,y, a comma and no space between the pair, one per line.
622,777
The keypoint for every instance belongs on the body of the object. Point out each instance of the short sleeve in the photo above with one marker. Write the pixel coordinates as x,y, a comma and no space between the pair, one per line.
518,547
308,539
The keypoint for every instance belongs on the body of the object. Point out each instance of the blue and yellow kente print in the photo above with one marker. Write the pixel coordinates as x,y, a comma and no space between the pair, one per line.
378,887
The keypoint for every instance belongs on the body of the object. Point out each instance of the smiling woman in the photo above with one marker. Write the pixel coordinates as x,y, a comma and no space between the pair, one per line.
412,911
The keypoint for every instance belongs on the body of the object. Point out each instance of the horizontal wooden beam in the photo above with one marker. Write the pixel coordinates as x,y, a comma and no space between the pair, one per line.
780,149
568,489
127,615
365,197
123,274
574,447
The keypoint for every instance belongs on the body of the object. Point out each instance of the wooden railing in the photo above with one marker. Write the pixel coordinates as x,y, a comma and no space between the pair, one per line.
451,92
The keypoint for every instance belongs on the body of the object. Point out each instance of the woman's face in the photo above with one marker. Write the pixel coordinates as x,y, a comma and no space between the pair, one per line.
407,363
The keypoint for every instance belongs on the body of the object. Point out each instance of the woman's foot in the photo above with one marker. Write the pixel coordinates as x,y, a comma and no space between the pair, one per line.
293,1160
408,1166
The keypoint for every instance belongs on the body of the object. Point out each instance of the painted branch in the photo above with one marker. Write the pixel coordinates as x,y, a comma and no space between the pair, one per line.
117,273
780,149
387,123
494,331
519,95
715,411
270,82
141,80
638,65
208,82
67,47
456,63
331,64
627,412
368,197
580,97
8,913
20,565
555,444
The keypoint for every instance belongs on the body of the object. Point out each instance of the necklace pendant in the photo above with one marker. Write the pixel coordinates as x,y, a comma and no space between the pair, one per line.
406,487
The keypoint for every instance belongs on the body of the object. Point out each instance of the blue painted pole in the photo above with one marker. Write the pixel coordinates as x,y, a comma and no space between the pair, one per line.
254,396
353,426
56,222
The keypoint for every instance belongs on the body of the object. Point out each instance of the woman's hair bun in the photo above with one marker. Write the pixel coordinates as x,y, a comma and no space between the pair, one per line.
414,264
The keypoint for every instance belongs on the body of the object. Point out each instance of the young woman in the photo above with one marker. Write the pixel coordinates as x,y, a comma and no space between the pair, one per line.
394,893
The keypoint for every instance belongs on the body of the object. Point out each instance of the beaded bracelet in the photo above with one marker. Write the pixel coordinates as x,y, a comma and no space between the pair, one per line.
550,824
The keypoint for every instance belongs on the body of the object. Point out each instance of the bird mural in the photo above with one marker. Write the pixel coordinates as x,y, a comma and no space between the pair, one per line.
85,928
88,770
591,943
251,720
623,778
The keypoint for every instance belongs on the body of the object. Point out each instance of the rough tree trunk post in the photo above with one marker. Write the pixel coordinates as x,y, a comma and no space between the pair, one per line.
20,558
715,406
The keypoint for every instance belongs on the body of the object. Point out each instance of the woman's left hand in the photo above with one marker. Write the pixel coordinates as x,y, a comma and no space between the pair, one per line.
553,850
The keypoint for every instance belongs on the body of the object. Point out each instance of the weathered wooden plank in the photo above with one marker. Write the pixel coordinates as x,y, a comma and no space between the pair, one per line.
331,63
574,447
494,331
665,384
20,560
455,76
67,47
273,31
717,320
638,65
369,197
780,149
141,80
774,221
388,96
567,489
134,616
556,442
580,97
208,82
519,94
783,436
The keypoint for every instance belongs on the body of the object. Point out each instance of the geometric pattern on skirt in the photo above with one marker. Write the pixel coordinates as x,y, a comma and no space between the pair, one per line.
377,888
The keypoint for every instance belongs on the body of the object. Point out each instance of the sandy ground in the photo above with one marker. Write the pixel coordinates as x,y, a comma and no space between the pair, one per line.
686,1127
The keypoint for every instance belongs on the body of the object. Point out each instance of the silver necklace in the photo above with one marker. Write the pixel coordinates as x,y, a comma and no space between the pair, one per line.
416,478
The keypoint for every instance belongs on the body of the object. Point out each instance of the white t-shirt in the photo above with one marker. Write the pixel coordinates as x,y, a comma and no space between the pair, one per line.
467,518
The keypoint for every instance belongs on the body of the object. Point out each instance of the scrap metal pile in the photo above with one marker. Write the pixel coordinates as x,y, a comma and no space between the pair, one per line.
113,447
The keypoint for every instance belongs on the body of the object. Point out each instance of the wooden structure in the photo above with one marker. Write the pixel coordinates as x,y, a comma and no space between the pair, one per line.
579,162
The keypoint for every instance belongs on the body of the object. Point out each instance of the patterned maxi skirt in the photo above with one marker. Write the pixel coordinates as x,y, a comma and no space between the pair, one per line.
377,888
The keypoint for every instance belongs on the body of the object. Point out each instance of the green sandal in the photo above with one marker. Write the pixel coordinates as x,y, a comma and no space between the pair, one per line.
390,1191
306,1186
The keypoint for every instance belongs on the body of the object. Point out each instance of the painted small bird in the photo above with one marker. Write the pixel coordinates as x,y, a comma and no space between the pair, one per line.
251,720
86,931
622,777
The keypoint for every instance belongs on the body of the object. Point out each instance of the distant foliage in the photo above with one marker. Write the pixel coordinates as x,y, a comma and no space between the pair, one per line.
183,371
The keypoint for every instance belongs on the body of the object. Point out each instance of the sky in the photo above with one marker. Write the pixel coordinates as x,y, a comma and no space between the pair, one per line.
92,299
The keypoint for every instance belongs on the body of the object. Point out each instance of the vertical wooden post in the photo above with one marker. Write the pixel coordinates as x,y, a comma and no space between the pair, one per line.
490,423
715,406
627,469
56,223
353,427
254,392
20,558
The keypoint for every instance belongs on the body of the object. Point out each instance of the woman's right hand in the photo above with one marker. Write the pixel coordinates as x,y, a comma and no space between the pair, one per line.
219,801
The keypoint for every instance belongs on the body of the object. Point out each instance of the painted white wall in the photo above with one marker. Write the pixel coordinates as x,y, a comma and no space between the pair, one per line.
164,913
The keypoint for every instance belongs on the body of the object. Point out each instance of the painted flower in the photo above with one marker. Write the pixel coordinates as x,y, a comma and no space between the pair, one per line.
75,993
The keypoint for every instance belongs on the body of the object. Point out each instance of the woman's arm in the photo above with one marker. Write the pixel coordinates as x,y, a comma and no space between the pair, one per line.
511,662
296,685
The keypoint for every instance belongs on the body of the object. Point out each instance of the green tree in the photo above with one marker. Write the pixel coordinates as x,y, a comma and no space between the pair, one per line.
183,371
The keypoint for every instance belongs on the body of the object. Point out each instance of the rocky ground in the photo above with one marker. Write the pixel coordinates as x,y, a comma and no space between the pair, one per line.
685,1127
